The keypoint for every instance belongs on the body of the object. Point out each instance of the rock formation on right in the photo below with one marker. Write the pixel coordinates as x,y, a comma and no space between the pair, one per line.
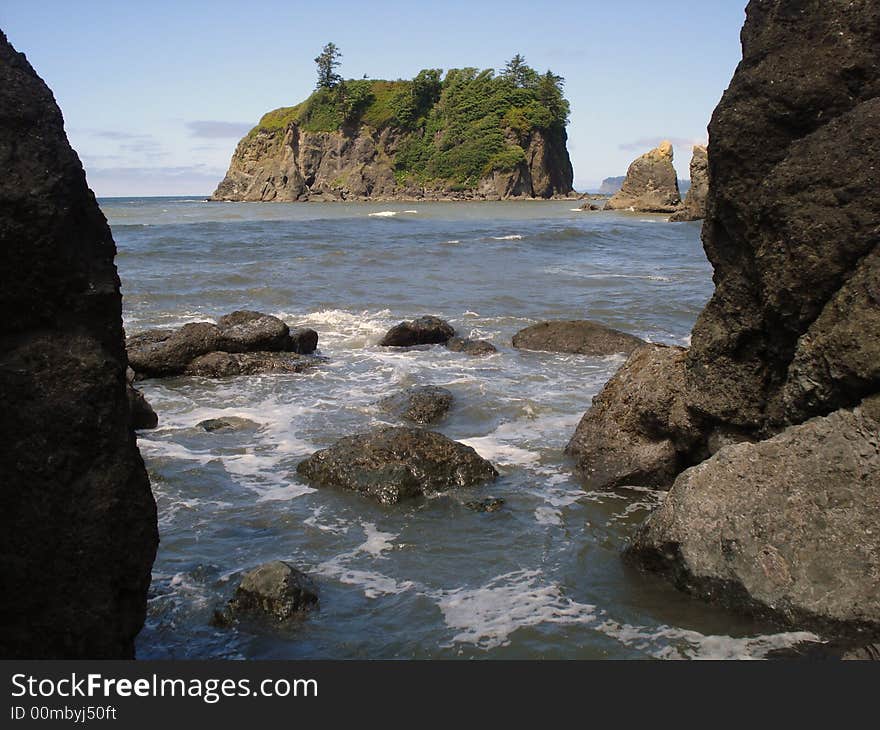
694,206
775,405
651,184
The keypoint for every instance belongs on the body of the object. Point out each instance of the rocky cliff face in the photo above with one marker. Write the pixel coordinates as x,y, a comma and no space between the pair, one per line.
295,165
791,334
694,206
77,518
651,184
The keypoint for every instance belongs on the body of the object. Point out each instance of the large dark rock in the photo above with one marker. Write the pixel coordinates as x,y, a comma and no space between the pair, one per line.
580,337
425,330
142,414
786,526
694,206
392,464
651,184
421,404
78,527
276,591
241,343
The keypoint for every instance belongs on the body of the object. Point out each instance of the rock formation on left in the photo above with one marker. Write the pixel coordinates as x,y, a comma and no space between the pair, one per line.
78,530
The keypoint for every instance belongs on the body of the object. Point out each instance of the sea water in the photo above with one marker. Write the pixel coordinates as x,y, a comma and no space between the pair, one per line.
540,578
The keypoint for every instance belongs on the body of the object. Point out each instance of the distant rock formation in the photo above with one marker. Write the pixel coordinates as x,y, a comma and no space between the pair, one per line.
694,206
792,333
651,184
611,185
78,530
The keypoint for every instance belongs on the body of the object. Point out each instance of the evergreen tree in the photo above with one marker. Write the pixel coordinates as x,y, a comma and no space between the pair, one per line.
519,73
327,63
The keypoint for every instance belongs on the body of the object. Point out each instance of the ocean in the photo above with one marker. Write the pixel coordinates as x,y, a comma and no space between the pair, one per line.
540,578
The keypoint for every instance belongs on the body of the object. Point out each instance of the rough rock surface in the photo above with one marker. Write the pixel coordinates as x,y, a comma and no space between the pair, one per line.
580,337
421,404
78,527
227,423
392,464
787,525
425,330
142,414
275,591
241,343
477,348
651,184
639,431
292,164
694,206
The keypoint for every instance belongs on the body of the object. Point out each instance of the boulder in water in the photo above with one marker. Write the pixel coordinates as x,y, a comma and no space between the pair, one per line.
276,591
427,330
651,184
421,404
476,348
580,337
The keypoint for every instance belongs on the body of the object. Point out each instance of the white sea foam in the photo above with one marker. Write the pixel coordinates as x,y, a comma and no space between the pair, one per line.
513,237
383,214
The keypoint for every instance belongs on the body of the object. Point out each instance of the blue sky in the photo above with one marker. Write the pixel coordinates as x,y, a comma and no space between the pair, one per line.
155,95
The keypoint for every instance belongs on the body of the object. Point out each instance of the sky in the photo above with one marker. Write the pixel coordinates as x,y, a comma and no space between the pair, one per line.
156,95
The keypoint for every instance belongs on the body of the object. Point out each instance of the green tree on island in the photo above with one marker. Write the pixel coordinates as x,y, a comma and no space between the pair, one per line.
327,63
519,73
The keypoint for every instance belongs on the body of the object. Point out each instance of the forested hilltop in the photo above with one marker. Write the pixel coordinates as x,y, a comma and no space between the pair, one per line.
466,133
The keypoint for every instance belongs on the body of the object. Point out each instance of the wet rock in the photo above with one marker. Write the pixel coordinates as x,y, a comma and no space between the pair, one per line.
246,331
785,527
425,330
422,404
303,340
142,414
580,337
651,184
638,431
694,206
485,505
476,348
159,353
78,531
227,423
393,464
231,364
275,591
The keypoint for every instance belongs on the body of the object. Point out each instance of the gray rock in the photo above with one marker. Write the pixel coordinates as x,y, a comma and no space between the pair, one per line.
142,414
694,206
227,423
580,337
638,431
160,353
785,527
246,331
476,348
392,464
421,404
78,531
651,184
229,364
303,340
485,505
275,591
425,330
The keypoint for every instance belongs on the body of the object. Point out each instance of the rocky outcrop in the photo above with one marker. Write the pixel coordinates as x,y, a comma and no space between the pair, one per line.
142,414
786,526
611,185
393,464
787,348
694,206
579,337
78,529
476,348
651,184
421,404
292,164
241,343
427,330
276,591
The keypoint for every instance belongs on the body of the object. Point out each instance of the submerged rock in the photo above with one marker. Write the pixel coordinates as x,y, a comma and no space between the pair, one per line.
142,414
651,184
485,505
276,591
241,343
78,530
425,330
227,423
476,348
786,526
694,206
421,404
638,431
580,337
392,464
